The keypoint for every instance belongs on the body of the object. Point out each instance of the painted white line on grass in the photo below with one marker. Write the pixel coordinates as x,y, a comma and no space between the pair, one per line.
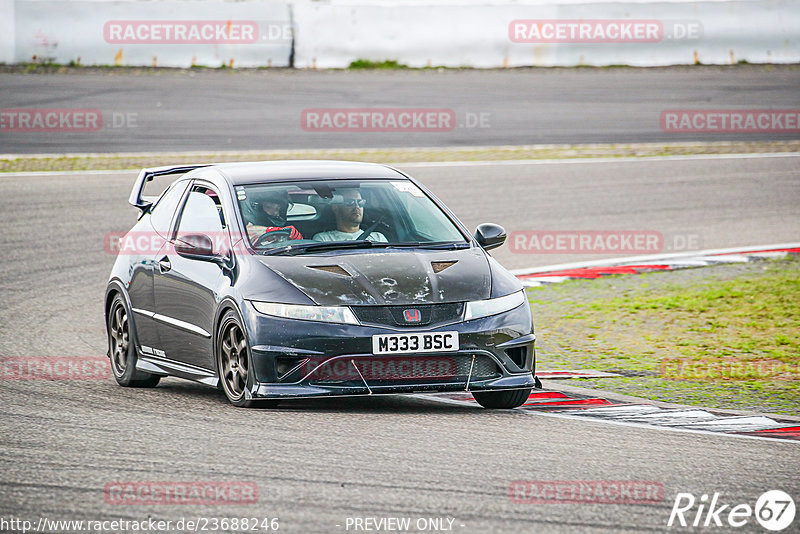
590,373
655,258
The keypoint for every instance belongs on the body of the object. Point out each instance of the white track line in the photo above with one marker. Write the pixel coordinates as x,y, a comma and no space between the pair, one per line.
132,172
622,159
561,415
577,373
654,427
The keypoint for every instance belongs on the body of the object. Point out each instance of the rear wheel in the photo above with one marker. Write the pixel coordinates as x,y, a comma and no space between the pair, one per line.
233,362
502,399
122,349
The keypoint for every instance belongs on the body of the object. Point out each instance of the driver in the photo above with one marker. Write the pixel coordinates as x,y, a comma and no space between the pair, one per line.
269,223
349,212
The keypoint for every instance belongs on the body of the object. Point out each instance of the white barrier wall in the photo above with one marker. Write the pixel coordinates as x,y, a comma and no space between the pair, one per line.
330,35
335,33
7,31
64,30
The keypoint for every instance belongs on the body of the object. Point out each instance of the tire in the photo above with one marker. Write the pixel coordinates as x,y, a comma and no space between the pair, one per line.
233,363
122,348
502,399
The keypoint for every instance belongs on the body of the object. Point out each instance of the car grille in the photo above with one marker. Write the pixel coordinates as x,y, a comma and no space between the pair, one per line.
404,369
429,315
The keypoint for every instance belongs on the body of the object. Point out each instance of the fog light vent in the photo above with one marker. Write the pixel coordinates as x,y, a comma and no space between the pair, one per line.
518,355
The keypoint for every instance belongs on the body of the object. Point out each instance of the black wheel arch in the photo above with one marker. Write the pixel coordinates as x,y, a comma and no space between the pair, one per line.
228,304
225,305
114,288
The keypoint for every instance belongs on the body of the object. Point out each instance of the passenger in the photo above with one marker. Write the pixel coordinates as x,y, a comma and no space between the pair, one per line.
349,212
269,224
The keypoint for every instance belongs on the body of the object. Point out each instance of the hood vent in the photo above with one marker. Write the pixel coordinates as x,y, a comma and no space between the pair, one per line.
439,266
335,269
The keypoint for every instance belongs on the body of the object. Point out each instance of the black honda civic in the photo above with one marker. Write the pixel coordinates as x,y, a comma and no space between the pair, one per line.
296,279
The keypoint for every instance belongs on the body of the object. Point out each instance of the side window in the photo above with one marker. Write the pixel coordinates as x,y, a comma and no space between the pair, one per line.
164,209
202,214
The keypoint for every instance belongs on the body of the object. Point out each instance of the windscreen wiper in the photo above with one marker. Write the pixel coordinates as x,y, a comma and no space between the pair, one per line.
292,250
431,246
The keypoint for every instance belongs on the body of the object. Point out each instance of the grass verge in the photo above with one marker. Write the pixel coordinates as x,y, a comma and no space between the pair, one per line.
389,64
138,160
718,337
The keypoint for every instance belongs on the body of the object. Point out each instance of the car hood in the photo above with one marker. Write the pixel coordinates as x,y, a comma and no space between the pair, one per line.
396,277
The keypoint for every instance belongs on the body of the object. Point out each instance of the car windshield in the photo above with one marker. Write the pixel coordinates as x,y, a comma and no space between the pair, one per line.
316,216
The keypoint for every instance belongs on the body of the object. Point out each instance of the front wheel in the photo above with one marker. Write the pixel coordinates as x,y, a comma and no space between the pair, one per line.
233,362
122,349
502,399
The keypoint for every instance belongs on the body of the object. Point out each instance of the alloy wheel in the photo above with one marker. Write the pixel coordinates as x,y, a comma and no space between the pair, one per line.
120,339
233,352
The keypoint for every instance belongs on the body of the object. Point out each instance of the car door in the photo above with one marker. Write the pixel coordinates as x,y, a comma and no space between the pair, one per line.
185,289
149,238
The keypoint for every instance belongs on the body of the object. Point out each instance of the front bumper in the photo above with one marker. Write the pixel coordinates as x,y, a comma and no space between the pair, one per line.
300,359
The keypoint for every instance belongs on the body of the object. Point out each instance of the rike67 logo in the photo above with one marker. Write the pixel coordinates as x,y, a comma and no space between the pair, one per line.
774,510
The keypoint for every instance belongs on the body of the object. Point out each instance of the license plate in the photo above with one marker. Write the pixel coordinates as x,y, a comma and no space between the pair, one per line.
421,342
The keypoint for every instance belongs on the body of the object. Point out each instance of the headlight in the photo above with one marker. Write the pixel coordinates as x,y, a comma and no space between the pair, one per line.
485,308
325,314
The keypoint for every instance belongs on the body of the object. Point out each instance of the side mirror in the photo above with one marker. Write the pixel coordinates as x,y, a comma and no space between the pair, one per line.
490,235
195,247
200,247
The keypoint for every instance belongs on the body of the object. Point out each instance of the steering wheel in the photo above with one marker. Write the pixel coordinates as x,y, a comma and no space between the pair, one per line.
379,222
275,236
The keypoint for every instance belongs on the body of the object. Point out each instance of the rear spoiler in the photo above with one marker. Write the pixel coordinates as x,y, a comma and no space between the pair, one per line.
147,175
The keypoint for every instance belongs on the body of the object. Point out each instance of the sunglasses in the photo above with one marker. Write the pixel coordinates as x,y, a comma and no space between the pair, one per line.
354,202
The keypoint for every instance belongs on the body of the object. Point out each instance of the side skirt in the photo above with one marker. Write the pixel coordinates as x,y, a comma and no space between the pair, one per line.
166,367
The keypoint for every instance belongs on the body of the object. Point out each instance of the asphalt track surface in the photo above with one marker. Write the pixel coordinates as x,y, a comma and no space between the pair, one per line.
147,110
318,463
